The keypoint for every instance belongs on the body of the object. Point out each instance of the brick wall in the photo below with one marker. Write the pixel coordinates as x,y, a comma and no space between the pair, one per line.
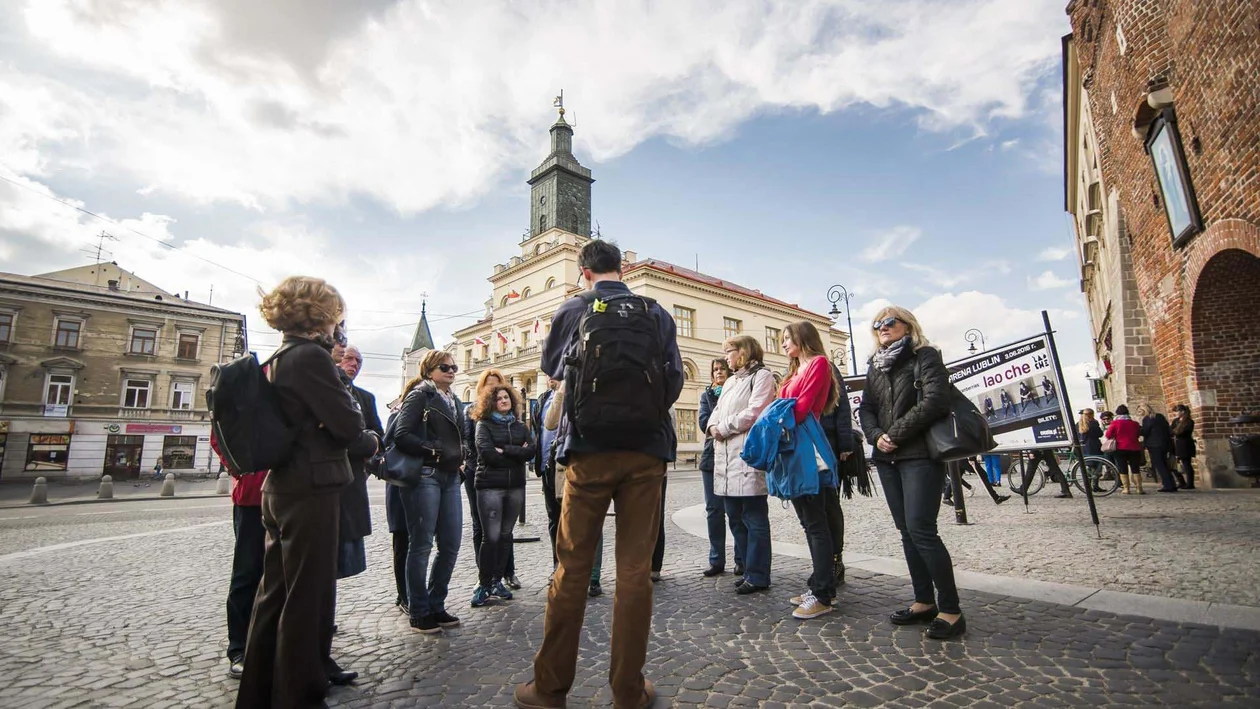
1209,54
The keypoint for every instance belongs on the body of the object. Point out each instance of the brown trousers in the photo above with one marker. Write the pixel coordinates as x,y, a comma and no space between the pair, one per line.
289,637
632,481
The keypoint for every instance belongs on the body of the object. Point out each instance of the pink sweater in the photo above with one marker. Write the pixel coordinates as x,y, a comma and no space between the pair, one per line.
809,387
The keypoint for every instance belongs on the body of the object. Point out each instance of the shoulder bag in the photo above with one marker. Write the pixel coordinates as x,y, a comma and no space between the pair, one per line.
961,433
403,469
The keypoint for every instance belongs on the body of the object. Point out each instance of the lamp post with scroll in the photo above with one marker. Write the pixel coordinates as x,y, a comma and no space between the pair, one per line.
835,294
971,336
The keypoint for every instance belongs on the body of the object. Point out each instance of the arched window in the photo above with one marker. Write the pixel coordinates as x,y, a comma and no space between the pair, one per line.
467,394
689,370
525,294
503,303
551,283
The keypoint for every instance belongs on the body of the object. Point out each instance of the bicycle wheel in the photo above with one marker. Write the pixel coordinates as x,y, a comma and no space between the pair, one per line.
1020,477
1102,472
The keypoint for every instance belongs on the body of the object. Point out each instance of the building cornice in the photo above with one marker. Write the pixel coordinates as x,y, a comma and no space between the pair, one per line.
55,294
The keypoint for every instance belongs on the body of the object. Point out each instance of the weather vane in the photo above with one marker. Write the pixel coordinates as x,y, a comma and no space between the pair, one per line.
559,103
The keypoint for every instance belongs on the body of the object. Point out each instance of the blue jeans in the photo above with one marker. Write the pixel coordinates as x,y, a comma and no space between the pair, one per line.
993,467
913,491
715,516
435,511
750,526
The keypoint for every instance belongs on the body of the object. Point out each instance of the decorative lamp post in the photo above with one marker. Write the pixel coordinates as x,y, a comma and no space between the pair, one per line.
972,335
835,294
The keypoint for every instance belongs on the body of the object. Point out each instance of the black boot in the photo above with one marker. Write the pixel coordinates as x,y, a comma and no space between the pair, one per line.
837,570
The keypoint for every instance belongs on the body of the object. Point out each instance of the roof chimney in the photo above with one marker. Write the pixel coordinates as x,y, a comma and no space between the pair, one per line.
113,285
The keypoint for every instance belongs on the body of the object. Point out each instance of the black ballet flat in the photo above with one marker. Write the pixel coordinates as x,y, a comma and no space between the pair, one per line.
942,629
906,616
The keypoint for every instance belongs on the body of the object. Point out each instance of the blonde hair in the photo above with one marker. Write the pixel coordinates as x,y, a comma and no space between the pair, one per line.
431,361
485,377
412,384
302,305
917,340
1087,417
806,337
486,401
749,351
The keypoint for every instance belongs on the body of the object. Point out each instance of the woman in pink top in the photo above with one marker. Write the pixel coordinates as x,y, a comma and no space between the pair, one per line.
1124,431
809,381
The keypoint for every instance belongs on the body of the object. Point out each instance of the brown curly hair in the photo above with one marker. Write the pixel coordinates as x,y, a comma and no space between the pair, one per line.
302,304
485,403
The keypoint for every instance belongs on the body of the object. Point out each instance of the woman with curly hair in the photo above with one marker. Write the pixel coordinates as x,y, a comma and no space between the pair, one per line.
504,444
290,636
489,379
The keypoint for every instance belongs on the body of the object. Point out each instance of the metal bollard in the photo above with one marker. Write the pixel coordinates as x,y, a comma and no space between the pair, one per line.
39,493
106,492
168,486
222,488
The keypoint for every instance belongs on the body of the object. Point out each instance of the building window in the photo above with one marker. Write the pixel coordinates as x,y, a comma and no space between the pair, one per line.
189,343
686,423
525,338
143,341
485,351
48,451
136,393
542,223
179,451
689,371
551,283
60,387
182,396
467,359
525,293
6,328
503,303
67,335
774,336
731,327
685,319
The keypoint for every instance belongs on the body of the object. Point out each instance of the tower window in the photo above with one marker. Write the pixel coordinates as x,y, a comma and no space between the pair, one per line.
542,223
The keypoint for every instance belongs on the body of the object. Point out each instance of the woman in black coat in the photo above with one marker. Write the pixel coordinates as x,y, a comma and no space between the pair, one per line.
1157,438
1183,445
898,406
714,510
504,445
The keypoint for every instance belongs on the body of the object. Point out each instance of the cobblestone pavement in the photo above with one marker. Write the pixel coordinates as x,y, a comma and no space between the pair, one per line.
139,622
1195,545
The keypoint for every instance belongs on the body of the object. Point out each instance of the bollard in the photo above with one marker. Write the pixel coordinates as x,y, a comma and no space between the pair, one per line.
39,493
222,488
107,488
168,486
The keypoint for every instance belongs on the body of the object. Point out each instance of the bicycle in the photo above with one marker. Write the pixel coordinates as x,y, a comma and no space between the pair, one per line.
1102,473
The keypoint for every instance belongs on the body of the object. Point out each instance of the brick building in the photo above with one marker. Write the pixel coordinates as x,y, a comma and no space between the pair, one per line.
1162,175
104,372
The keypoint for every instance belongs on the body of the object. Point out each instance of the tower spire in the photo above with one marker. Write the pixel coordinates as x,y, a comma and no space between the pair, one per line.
560,195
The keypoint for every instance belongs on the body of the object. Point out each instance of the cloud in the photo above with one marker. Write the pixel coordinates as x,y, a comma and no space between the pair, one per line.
1049,281
1055,253
938,277
891,244
1009,144
424,104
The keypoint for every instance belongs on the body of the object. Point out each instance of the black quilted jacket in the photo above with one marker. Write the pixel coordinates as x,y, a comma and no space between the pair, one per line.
890,403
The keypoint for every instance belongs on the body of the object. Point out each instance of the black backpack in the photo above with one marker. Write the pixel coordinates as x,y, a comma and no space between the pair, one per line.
615,376
245,415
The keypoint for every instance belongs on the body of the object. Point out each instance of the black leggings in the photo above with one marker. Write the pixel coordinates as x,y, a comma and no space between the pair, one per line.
400,563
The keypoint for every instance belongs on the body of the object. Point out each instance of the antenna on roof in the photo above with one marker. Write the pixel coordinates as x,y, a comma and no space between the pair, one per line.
100,249
598,235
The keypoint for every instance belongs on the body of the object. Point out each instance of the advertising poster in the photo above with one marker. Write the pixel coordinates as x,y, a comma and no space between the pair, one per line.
1014,386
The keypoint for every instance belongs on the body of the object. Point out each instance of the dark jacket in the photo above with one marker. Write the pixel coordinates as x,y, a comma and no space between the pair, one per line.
708,402
890,403
1156,433
536,418
1183,438
1091,440
838,425
356,513
326,419
506,470
563,337
428,429
395,517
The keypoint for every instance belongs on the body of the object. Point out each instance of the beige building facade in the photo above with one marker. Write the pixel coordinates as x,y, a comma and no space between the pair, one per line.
527,289
103,372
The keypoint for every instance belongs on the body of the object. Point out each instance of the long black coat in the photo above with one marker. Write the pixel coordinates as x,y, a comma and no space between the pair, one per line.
1156,433
708,402
506,470
890,403
1091,440
1183,438
356,513
838,425
429,429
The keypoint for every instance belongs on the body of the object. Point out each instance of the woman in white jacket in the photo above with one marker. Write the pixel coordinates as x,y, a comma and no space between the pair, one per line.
741,487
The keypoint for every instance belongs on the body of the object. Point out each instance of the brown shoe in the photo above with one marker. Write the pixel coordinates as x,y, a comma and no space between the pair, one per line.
526,697
649,694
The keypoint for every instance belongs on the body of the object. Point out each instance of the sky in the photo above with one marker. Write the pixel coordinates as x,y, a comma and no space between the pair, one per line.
910,150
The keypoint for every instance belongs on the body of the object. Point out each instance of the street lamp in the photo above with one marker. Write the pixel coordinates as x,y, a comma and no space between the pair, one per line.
835,294
972,335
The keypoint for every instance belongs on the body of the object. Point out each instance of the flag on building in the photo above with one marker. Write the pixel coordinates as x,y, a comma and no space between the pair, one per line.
537,326
478,341
513,295
503,339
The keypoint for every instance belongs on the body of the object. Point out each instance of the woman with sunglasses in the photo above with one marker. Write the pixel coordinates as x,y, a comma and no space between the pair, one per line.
429,427
907,390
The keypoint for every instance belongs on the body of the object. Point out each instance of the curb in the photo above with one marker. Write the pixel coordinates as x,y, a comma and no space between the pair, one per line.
692,521
94,501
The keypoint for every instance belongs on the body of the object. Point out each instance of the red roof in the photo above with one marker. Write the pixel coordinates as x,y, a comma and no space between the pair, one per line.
708,280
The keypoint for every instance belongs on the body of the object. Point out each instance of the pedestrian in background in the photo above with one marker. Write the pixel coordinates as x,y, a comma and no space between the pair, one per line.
1128,454
545,462
556,424
1157,438
1183,445
714,508
907,391
1091,435
504,445
739,487
488,379
247,559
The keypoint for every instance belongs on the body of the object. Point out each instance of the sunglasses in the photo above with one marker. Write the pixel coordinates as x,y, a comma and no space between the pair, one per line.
886,322
339,334
448,368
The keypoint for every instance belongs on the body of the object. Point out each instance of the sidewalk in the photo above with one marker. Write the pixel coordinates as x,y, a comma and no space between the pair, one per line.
16,494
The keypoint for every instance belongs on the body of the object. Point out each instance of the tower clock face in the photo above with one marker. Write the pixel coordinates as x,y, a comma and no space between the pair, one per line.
542,199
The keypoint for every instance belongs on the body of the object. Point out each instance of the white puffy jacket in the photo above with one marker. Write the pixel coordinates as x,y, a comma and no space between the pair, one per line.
744,395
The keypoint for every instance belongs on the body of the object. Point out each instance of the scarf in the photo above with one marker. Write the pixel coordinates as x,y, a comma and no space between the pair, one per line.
502,418
717,390
886,357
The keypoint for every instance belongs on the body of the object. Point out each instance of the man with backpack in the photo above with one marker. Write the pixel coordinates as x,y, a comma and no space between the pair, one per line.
618,355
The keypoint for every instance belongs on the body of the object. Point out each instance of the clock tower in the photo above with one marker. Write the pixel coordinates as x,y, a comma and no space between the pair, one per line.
560,194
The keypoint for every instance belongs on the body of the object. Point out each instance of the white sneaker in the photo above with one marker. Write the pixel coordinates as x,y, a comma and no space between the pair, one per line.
810,607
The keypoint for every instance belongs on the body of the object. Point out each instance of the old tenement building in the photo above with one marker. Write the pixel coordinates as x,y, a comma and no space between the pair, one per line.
104,372
1162,176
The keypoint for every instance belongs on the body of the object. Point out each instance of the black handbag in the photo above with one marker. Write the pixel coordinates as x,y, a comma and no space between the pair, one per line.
399,468
962,433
